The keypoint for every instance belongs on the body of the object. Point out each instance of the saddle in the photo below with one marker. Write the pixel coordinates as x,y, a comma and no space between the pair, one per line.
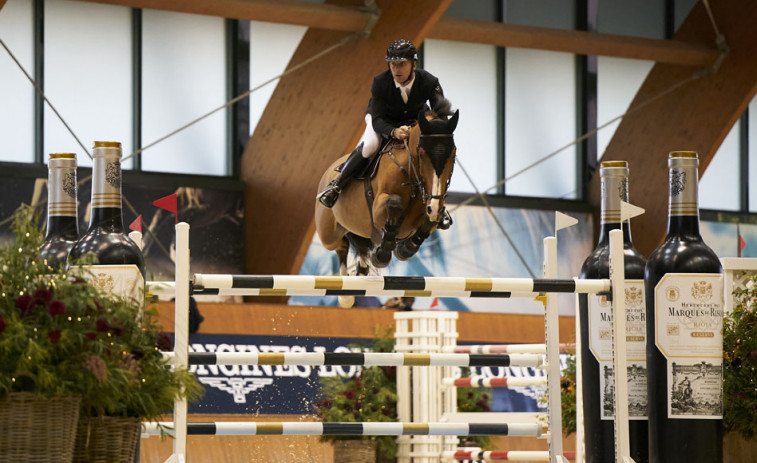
371,169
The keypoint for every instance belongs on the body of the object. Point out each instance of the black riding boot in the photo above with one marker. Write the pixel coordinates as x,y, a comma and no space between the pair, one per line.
352,166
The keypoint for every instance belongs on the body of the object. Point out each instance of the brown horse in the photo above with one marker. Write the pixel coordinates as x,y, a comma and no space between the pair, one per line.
406,197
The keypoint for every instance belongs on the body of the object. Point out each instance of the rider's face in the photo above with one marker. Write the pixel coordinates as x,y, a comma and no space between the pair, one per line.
401,70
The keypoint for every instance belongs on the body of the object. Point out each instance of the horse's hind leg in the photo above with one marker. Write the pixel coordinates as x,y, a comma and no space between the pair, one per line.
383,253
362,247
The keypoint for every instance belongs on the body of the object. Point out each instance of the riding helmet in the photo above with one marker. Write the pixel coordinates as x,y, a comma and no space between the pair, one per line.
401,50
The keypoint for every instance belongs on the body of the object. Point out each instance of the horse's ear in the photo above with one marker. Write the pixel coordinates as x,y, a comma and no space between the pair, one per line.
452,122
422,122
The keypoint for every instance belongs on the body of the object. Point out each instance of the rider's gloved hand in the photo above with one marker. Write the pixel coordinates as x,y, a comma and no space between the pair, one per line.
401,132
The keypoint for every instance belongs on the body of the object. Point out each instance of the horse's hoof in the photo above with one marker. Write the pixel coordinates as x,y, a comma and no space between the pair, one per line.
346,302
381,258
403,256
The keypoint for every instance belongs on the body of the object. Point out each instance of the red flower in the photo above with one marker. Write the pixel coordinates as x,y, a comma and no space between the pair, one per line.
56,308
2,324
349,394
25,304
117,329
43,295
91,336
54,336
102,325
164,342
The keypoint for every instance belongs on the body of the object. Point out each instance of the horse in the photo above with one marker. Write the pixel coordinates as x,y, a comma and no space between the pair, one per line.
393,210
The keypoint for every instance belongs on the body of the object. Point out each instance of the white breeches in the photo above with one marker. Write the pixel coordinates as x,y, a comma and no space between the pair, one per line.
370,139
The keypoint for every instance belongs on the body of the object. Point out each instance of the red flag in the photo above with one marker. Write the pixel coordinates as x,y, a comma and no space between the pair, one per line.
434,304
168,203
137,224
742,244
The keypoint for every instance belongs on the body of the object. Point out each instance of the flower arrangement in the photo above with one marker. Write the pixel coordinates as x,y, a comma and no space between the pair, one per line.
60,335
740,362
371,396
568,395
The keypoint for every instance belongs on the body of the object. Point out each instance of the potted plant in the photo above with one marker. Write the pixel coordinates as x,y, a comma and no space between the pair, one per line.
63,339
740,374
371,396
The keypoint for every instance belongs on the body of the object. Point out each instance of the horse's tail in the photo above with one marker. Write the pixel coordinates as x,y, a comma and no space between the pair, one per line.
362,247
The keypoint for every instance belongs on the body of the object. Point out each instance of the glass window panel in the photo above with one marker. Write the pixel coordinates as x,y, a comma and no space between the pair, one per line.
479,10
752,155
557,14
682,10
271,48
640,19
91,87
540,118
476,133
714,191
618,80
16,92
184,77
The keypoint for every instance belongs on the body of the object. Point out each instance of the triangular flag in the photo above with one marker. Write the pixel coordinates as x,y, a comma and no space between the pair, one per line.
137,224
629,211
168,203
564,221
742,244
434,304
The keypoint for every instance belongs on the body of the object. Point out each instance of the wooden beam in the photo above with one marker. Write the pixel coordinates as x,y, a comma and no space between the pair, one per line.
353,19
300,13
676,109
579,42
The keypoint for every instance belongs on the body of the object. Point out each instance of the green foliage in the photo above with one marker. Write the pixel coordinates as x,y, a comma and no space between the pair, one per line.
61,335
371,396
740,362
568,395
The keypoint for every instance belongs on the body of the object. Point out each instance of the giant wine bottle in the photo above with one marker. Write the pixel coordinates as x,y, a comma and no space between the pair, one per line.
62,220
684,290
119,266
597,328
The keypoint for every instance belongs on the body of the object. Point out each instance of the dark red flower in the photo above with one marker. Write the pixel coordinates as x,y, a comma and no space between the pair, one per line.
56,308
100,309
2,324
102,325
164,342
349,394
54,336
91,336
78,281
25,304
117,328
43,295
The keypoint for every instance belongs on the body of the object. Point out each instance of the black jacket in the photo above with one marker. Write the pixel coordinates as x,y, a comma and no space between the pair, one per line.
386,105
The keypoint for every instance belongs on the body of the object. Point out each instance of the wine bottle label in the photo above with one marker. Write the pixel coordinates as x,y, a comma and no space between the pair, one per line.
62,188
689,333
637,390
601,346
122,280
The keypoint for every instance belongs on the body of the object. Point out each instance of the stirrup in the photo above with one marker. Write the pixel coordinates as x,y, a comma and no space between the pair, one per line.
446,221
330,195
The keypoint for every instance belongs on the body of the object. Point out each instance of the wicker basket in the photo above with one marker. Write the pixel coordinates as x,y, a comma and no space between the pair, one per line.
35,430
354,451
106,439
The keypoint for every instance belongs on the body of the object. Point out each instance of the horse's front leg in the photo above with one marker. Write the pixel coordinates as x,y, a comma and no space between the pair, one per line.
392,208
409,246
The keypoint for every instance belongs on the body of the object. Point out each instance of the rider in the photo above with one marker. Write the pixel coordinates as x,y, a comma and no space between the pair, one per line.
397,96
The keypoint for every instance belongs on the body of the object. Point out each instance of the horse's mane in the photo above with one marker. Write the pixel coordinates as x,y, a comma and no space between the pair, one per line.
443,108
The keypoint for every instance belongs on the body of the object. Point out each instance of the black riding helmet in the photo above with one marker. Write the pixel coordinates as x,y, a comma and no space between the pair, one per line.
401,50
